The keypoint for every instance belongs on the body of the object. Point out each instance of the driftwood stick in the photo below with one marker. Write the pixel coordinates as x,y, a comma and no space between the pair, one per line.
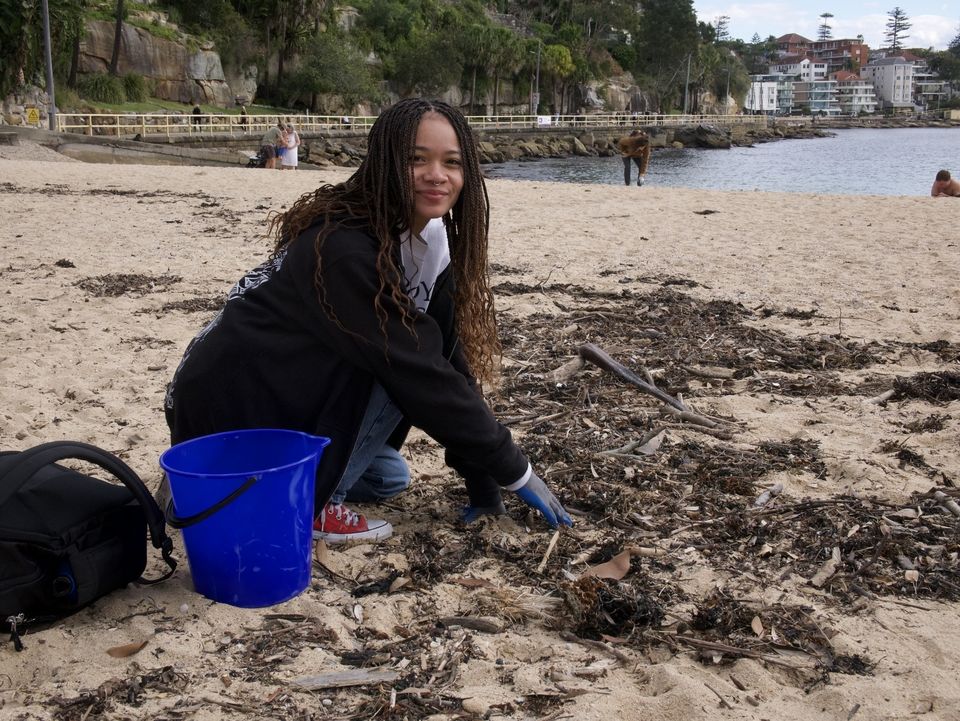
734,651
715,432
947,502
711,372
882,398
690,417
597,356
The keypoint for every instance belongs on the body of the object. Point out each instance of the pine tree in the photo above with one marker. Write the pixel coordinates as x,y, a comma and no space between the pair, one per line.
897,25
824,32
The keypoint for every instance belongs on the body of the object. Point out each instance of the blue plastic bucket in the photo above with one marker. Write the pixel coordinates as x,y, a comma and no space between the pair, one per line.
244,500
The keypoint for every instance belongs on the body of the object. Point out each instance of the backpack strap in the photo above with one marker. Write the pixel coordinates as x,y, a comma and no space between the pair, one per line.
32,460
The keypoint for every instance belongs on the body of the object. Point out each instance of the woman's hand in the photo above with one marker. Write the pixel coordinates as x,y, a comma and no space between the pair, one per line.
536,495
472,513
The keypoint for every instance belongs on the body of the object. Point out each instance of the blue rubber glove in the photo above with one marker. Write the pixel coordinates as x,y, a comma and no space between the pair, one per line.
536,495
469,514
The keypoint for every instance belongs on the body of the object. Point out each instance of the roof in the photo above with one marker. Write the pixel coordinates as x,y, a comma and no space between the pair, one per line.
793,60
792,38
842,75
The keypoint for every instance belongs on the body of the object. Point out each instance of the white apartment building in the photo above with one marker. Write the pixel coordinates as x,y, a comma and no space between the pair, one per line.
892,79
816,97
803,68
762,95
854,94
770,94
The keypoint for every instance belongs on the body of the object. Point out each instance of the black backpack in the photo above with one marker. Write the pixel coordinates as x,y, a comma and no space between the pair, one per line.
66,538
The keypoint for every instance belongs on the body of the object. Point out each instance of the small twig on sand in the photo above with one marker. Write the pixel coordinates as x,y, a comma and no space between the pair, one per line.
723,701
550,547
599,645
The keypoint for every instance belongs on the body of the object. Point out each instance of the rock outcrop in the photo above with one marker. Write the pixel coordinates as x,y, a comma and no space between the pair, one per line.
175,72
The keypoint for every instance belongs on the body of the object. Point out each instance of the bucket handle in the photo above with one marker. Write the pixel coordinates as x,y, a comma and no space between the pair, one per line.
175,521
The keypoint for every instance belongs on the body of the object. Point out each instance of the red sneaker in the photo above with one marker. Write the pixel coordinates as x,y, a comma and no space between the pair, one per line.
338,524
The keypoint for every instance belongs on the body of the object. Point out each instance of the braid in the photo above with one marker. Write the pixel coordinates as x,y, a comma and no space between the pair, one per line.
381,194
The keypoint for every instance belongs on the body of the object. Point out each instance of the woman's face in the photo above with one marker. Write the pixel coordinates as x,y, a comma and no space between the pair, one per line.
437,169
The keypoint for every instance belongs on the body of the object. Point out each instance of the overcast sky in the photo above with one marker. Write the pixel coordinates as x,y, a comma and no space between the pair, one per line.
934,23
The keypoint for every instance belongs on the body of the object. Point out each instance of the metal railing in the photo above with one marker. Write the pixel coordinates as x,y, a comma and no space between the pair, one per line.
185,125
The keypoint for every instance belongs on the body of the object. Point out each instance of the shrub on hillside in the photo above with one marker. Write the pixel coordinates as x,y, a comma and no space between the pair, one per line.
102,88
135,88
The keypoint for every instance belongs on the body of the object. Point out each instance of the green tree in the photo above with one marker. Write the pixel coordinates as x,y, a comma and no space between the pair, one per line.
21,40
507,55
331,65
897,25
556,64
117,35
476,41
666,38
825,32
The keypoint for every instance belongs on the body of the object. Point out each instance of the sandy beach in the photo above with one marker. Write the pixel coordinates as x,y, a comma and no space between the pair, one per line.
821,333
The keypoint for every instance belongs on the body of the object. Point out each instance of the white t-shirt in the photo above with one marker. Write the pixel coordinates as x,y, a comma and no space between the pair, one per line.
424,258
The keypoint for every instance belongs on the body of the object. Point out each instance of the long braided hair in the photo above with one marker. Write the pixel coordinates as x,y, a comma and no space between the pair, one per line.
381,195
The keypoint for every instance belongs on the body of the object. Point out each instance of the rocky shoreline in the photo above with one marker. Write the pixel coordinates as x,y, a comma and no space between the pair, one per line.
501,147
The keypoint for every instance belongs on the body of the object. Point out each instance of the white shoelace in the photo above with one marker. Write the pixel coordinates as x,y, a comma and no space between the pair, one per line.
349,517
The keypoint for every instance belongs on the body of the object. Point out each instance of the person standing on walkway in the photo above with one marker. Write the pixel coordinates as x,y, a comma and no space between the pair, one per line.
635,148
291,155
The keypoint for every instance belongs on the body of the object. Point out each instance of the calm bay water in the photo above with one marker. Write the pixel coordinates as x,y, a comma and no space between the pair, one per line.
894,161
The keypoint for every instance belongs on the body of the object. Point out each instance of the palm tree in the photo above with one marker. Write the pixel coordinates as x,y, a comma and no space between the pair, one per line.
117,33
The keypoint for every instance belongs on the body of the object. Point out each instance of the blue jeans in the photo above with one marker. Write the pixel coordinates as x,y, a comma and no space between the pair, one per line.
374,471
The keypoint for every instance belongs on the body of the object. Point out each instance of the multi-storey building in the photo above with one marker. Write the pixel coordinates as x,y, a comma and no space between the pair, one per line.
802,67
892,79
841,54
854,94
816,97
844,54
762,95
792,44
771,94
928,89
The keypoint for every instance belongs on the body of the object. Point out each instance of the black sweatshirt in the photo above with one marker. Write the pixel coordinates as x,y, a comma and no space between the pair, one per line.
275,358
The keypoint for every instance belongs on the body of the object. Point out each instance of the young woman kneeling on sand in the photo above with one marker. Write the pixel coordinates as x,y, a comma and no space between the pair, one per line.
371,315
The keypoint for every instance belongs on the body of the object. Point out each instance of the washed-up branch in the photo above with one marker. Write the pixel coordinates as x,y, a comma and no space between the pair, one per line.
674,406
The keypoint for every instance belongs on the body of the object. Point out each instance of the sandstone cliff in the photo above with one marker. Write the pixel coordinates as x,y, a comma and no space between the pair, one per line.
175,71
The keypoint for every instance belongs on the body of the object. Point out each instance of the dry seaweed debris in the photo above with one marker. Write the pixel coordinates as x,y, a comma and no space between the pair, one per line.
938,387
114,285
200,304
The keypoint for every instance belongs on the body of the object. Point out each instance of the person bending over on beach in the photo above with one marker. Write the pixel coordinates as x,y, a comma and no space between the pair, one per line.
635,148
269,143
372,314
944,186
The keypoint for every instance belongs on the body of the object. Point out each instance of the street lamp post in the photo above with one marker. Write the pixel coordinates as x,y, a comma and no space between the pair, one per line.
52,110
535,98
